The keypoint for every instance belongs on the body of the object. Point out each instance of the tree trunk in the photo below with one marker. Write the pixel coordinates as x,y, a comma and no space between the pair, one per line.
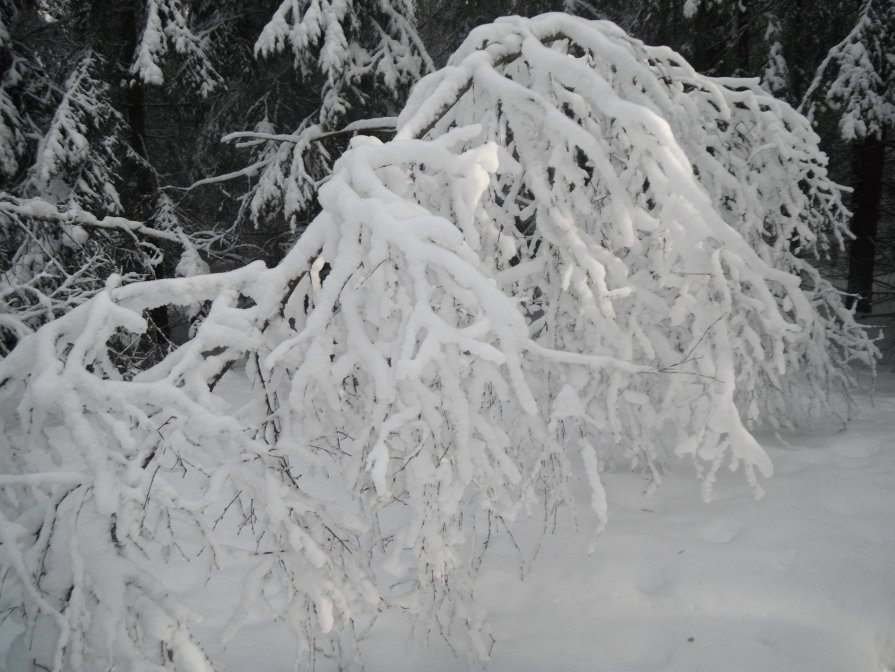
142,180
118,27
743,47
867,167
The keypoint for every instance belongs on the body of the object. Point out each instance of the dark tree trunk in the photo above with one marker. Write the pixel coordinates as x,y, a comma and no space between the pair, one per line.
742,40
143,181
119,25
867,166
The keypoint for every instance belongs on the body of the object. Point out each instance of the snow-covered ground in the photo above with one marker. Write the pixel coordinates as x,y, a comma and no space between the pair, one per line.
802,580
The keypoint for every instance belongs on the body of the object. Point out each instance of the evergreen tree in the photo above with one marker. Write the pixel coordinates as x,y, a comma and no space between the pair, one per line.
78,163
856,81
362,58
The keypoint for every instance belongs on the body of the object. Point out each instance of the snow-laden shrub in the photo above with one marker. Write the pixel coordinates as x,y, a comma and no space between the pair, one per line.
576,250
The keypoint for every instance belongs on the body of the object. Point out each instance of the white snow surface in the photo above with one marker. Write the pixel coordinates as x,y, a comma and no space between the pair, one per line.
801,580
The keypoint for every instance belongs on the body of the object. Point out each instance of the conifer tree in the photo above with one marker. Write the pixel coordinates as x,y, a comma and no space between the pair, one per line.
362,57
856,81
80,196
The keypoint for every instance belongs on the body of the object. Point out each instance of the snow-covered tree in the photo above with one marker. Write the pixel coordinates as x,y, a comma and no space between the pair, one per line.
48,269
576,251
165,26
61,223
445,25
362,57
75,156
857,78
17,85
776,71
856,81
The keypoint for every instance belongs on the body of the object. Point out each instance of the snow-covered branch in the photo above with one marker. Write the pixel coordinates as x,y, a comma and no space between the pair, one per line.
59,259
345,41
857,77
38,208
368,55
167,23
384,124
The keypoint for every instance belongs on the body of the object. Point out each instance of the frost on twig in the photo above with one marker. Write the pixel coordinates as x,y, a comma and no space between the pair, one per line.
576,252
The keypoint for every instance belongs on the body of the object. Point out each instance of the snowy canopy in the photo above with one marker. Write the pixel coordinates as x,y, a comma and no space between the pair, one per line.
576,253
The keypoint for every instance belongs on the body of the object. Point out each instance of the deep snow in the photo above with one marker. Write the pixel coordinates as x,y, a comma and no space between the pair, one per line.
802,580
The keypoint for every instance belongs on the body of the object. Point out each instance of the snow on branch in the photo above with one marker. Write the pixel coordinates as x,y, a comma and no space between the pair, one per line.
56,264
291,166
72,164
16,123
367,54
857,77
167,25
38,208
345,41
315,133
54,259
576,251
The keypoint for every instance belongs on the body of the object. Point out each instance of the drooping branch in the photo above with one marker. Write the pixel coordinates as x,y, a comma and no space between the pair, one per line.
316,133
464,84
38,208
